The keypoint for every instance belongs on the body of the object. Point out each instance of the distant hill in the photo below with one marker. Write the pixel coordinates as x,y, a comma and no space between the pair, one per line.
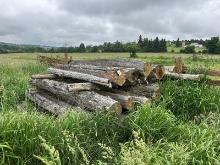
20,48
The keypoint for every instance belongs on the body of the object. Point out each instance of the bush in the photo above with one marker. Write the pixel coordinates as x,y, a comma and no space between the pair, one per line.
188,50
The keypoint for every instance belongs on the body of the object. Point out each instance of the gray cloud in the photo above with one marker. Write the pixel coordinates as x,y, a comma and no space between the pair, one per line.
55,22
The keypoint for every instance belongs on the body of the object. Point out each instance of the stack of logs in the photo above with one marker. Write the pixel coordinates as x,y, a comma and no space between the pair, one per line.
102,85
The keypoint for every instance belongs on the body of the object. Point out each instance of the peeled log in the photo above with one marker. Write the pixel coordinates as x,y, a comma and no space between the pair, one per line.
81,76
196,77
140,65
44,76
89,100
49,103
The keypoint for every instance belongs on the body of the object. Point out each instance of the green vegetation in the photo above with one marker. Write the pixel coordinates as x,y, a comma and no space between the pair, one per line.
213,45
188,50
155,45
182,128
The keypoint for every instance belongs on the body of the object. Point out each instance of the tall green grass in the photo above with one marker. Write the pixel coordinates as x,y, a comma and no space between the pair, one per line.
182,128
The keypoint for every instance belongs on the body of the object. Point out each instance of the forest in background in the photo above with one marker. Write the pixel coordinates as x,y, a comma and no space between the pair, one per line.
211,46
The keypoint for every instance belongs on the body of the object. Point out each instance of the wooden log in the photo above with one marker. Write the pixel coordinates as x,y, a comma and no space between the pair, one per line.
116,75
157,73
81,76
214,73
126,101
50,104
66,87
140,65
89,100
44,76
196,77
214,82
149,91
179,66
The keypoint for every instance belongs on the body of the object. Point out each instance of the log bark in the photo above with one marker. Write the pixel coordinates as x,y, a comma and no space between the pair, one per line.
127,102
214,72
179,66
62,86
214,82
196,77
116,75
44,76
81,76
88,100
140,65
149,91
50,104
157,73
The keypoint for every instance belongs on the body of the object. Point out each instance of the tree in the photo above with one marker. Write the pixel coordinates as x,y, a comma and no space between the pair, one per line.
82,48
133,48
178,43
188,50
140,41
213,45
95,49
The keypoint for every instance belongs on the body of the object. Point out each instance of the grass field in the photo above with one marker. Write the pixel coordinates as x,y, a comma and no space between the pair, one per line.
183,127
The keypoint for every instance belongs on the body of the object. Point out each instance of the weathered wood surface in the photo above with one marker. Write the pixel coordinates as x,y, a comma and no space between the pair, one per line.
196,77
117,75
44,76
126,101
179,66
214,72
48,103
66,87
140,65
157,73
214,82
149,91
81,76
89,100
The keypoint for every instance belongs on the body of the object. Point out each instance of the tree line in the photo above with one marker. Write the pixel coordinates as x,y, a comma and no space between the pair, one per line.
142,45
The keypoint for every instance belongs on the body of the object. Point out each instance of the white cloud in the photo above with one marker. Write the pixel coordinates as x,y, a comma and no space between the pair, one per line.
56,22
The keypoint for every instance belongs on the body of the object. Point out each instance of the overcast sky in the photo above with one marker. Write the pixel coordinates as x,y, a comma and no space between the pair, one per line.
59,22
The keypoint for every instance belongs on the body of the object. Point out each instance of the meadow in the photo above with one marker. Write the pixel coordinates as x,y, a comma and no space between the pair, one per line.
183,127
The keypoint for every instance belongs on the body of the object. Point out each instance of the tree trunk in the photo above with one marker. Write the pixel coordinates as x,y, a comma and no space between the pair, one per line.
214,72
140,65
44,76
214,82
81,76
157,73
85,99
149,91
48,103
117,75
66,87
126,101
184,76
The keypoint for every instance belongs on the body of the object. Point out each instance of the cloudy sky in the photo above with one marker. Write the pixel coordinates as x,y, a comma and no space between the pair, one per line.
69,22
